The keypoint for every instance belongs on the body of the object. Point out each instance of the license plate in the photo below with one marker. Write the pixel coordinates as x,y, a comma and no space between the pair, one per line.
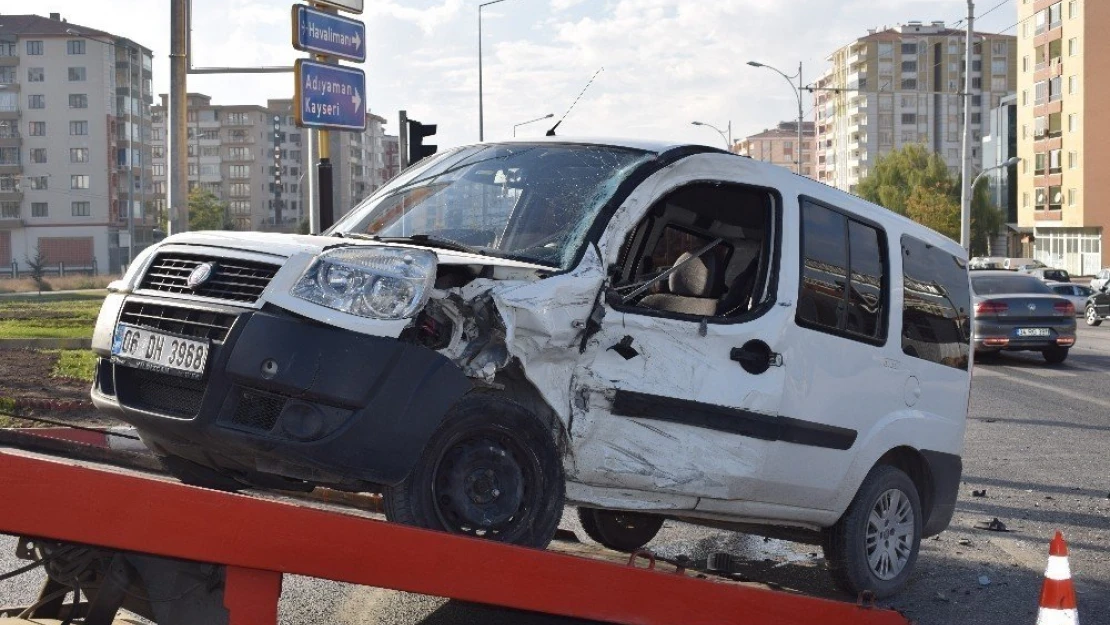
1034,332
158,351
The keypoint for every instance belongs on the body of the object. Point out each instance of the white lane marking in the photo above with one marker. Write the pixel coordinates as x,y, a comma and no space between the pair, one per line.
1044,373
1062,391
987,373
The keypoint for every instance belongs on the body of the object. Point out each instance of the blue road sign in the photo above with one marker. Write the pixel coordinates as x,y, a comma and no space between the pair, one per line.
329,96
325,33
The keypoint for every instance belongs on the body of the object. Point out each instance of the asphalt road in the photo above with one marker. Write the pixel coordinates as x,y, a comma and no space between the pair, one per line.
1036,444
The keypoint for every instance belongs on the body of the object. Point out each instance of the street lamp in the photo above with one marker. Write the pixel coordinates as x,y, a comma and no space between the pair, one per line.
798,94
548,116
727,139
965,208
130,140
481,111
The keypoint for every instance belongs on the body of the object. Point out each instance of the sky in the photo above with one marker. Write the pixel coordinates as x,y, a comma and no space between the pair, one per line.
663,63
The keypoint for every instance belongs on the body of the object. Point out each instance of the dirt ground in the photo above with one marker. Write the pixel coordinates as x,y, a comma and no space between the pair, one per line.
25,380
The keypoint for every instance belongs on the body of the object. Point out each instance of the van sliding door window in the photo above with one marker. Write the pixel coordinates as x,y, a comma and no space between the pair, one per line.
844,275
936,322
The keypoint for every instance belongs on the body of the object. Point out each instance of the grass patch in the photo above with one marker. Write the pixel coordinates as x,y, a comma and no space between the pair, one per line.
68,283
61,316
77,364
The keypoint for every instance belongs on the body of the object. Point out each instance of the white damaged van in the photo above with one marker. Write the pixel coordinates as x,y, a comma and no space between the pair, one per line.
645,331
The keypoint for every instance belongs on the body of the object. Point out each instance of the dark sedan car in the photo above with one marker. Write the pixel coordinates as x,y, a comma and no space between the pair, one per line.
1098,306
1017,312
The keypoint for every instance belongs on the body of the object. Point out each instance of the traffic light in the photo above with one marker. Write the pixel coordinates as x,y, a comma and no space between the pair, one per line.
417,150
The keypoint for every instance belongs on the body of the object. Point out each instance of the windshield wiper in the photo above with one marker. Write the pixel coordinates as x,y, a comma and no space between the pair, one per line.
356,235
432,241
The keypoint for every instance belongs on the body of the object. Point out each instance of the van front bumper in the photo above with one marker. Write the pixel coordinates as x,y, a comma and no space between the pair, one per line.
288,397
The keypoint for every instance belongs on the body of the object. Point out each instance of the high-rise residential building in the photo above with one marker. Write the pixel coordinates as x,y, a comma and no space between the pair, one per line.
1063,81
999,146
74,145
779,145
900,86
254,158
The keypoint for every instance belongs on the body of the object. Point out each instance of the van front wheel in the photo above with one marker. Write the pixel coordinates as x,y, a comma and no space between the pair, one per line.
490,471
875,543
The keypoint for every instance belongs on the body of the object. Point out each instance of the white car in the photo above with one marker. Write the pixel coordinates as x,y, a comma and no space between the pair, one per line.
1077,294
1100,279
645,331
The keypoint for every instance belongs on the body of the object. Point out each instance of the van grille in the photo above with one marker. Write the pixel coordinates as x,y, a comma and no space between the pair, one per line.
199,324
232,279
159,392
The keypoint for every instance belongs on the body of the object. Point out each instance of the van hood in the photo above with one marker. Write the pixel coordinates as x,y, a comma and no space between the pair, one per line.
280,245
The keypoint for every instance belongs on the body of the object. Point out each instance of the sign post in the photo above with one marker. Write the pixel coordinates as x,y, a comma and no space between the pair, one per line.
328,96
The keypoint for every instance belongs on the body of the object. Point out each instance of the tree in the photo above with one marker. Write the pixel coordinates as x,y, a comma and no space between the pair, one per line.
207,212
916,183
38,270
894,177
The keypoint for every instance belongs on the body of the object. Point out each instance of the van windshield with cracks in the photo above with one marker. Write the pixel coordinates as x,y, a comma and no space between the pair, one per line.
530,202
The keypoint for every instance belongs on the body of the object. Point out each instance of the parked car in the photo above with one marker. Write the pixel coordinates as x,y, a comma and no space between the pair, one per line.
1097,307
1014,264
645,331
1101,279
1015,312
986,262
1077,294
1047,274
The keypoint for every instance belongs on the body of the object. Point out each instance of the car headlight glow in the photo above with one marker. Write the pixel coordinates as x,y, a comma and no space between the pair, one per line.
376,282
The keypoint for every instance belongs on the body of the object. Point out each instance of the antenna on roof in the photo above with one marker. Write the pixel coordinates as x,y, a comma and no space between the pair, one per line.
551,133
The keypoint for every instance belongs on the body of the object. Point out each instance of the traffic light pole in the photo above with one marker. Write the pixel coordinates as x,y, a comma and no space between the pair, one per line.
403,140
324,180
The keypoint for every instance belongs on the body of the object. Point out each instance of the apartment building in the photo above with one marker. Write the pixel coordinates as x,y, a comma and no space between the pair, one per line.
779,145
1063,80
74,145
254,158
899,86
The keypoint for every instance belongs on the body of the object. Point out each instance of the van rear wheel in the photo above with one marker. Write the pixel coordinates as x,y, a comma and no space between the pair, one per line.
619,530
490,471
875,543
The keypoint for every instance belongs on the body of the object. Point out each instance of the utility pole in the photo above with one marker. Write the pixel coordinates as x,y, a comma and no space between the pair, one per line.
801,118
403,140
178,152
965,165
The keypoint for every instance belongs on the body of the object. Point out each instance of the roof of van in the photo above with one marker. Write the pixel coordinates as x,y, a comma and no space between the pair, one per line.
771,174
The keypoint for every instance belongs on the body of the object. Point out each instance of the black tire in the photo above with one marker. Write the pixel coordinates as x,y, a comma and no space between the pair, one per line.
1055,355
194,474
1092,317
491,470
619,530
846,543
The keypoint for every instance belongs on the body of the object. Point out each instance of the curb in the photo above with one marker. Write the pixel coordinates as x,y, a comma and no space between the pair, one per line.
46,343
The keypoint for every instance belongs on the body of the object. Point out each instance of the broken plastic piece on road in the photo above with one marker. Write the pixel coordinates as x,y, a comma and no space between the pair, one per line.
979,493
993,525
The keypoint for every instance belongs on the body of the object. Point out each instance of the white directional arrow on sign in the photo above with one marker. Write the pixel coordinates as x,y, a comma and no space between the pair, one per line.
358,41
356,100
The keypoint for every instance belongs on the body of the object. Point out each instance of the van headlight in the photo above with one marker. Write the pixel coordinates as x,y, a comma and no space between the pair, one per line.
377,282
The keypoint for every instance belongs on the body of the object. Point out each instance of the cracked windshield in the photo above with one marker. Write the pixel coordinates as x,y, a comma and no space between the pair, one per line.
529,202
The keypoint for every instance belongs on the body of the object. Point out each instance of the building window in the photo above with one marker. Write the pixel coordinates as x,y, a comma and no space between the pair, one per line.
76,74
38,155
78,128
1073,160
1073,46
78,155
7,183
238,119
1073,122
9,210
78,101
36,129
159,152
909,118
909,83
909,66
1071,197
240,171
36,74
1025,199
40,209
158,169
1025,63
1073,84
36,101
75,46
8,48
81,209
9,156
240,190
34,48
39,183
976,83
80,181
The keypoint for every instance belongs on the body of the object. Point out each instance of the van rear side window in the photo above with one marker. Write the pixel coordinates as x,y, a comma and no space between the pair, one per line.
936,321
844,275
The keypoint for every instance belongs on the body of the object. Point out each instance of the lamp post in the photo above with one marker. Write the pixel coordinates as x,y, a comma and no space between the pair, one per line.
801,112
548,116
727,138
481,110
965,213
130,139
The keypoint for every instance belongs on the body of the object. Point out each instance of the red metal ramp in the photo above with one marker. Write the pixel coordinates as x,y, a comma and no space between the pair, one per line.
258,540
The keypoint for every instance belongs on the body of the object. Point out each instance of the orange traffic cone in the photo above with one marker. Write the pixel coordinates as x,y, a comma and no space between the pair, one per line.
1058,594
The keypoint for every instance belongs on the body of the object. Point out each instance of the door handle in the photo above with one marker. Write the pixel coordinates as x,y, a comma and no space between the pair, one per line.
755,357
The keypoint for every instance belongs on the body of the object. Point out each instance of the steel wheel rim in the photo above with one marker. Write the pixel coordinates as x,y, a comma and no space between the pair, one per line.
890,535
469,500
1092,316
